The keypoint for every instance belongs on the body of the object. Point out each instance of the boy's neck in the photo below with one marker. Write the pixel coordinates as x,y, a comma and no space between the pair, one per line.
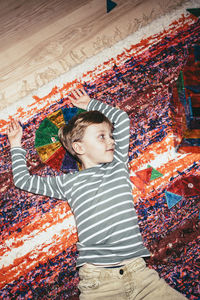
87,165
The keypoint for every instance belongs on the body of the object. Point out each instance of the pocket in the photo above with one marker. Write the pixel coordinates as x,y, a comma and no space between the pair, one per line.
88,279
138,264
88,284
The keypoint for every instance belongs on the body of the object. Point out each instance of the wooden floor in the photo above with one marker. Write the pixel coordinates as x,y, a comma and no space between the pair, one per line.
42,39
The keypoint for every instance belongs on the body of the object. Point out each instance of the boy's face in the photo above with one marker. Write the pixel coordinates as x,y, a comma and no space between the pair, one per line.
97,145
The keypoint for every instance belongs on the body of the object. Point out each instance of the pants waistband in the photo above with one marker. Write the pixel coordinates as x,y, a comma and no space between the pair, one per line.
126,262
132,265
114,267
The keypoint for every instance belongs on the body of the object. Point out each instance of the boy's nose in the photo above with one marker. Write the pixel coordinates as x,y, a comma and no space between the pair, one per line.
111,141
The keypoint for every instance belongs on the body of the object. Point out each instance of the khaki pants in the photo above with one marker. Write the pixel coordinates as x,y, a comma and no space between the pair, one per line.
132,281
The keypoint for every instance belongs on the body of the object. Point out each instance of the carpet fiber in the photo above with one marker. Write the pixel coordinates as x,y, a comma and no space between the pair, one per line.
38,234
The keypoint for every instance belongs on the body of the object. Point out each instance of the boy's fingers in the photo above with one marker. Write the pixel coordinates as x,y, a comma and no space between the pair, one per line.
84,92
76,95
13,125
71,98
79,92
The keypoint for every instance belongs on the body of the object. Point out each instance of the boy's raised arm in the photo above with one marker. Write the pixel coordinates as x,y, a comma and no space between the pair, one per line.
48,186
118,117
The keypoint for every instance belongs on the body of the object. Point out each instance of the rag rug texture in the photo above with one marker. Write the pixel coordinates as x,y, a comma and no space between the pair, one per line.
38,234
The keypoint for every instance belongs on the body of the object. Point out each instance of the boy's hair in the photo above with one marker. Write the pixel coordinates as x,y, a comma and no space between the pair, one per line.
75,129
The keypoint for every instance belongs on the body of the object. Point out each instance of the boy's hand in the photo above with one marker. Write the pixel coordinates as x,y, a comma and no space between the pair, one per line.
14,133
80,98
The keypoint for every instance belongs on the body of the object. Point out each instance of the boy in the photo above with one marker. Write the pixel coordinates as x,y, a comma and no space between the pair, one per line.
111,251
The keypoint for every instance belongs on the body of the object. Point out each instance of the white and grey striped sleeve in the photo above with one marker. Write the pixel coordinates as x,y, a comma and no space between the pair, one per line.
47,186
121,123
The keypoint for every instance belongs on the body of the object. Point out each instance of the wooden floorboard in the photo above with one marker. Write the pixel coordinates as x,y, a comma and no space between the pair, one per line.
40,39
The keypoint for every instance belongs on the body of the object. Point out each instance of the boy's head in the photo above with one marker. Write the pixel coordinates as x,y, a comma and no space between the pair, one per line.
75,135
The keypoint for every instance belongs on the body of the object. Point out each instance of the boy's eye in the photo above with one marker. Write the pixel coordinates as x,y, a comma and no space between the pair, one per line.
102,136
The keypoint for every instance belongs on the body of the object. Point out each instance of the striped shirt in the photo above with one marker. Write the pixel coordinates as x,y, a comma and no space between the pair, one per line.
100,198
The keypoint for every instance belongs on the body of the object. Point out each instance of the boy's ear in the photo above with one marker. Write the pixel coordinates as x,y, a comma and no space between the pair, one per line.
78,148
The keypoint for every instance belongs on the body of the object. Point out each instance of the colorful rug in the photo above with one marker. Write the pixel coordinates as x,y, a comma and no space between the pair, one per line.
38,234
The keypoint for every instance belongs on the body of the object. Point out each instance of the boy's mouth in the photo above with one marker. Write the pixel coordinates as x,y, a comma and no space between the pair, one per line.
111,150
